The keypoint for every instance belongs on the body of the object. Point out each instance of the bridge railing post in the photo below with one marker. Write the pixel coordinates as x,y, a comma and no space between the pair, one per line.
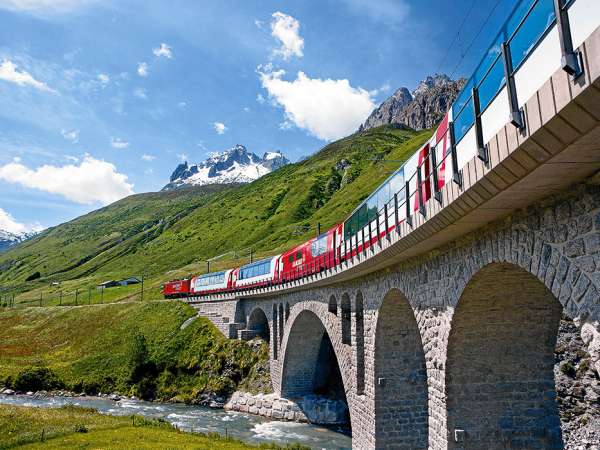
396,218
571,59
456,176
419,192
407,204
516,115
436,187
482,152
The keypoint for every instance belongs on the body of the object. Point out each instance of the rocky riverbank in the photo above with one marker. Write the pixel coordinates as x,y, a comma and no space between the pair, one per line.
313,409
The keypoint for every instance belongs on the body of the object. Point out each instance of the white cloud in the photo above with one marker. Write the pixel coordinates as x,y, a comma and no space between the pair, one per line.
92,181
328,109
219,127
104,79
119,143
286,30
44,6
260,99
246,109
148,158
9,72
182,157
71,135
163,50
259,23
388,12
182,104
149,171
8,223
140,93
142,69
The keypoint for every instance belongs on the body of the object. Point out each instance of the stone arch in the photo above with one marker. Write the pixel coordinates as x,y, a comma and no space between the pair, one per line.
303,372
359,328
499,367
346,320
287,311
281,323
274,340
401,408
332,307
258,324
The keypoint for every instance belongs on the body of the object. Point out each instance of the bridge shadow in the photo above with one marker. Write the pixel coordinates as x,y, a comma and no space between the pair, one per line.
500,380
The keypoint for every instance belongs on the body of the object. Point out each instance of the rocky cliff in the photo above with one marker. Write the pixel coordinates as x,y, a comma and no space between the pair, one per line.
419,110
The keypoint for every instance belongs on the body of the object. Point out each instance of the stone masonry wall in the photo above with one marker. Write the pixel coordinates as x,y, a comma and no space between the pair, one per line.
556,241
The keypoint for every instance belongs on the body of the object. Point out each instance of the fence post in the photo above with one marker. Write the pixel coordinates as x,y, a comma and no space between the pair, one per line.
76,296
40,299
142,294
89,295
60,298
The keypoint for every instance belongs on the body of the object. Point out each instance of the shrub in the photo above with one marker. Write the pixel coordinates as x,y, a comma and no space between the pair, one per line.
36,379
568,369
33,276
80,428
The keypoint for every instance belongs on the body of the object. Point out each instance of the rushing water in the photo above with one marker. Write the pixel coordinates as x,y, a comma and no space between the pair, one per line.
246,427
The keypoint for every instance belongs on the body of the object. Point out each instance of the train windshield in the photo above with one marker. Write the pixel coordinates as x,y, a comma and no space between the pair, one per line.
255,269
209,279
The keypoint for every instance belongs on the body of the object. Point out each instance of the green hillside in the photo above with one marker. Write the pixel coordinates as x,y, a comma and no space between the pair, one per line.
133,348
168,234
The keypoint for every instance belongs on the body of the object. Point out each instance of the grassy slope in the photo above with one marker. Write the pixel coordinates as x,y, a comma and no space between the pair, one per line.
20,426
129,237
92,348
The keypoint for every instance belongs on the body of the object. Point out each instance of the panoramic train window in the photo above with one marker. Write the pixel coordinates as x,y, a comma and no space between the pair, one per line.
319,245
210,279
256,269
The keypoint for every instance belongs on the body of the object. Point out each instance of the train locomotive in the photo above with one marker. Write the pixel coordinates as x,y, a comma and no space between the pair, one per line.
370,222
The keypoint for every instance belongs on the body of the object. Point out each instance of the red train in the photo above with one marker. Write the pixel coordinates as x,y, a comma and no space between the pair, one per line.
371,221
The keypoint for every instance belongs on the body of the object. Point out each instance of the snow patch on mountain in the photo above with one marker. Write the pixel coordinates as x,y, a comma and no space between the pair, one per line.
8,239
235,165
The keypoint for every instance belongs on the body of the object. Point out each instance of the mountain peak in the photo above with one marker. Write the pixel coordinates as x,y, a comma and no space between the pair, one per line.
8,239
235,165
421,109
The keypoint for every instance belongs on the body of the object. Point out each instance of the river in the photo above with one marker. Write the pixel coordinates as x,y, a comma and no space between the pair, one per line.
246,427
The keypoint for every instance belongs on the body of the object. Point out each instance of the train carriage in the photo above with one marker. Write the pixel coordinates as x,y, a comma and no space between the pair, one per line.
256,274
176,288
312,256
211,282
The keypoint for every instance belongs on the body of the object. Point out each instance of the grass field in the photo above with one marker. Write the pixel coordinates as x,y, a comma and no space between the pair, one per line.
133,348
75,427
171,234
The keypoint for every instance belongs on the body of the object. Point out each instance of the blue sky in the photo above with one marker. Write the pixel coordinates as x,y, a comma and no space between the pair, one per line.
101,99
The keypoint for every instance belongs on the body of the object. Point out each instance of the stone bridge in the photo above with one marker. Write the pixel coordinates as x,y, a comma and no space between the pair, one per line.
442,335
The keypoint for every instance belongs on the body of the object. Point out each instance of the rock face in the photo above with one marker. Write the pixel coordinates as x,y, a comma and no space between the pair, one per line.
577,389
419,110
235,165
